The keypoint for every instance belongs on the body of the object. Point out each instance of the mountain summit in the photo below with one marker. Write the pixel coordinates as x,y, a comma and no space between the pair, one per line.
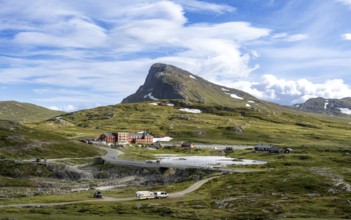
170,82
327,106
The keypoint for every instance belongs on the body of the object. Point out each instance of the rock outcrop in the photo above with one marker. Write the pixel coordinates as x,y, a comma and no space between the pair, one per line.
327,106
170,82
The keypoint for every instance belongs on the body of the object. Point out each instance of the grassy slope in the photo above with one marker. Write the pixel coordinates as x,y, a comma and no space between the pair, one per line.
25,112
223,125
20,142
282,190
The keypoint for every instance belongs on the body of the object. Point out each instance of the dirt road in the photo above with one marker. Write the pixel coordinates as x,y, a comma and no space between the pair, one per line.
190,189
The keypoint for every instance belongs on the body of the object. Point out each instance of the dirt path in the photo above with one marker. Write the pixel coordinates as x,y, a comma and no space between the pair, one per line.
190,189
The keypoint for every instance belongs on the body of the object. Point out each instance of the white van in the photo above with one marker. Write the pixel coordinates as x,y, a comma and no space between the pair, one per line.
145,195
161,194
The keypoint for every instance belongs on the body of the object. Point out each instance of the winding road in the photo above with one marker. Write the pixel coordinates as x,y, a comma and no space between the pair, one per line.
190,189
112,157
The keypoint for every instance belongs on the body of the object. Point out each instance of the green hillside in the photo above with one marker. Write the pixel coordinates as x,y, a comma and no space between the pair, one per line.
216,124
311,183
20,142
25,112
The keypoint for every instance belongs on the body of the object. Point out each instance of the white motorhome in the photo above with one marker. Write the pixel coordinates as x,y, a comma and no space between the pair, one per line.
145,195
161,194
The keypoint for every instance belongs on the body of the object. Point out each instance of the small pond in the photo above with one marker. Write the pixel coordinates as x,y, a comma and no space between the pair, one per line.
206,161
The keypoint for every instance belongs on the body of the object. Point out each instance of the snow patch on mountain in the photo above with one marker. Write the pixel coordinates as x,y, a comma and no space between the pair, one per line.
191,76
345,111
195,111
236,97
326,103
150,96
162,139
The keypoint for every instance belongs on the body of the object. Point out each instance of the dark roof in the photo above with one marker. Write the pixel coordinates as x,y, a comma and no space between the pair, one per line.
110,134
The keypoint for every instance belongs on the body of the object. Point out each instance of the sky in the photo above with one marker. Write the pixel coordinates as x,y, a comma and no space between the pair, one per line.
71,55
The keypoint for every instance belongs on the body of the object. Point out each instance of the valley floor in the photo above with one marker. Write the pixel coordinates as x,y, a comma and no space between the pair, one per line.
312,183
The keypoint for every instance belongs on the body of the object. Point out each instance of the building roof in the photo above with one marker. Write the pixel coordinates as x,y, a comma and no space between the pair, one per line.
109,133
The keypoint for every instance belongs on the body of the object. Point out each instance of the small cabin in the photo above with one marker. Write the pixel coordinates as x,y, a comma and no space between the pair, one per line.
263,147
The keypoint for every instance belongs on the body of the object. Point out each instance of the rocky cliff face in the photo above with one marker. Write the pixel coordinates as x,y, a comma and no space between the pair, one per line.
170,82
327,106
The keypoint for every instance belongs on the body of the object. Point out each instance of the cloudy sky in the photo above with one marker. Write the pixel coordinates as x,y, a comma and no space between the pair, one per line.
70,55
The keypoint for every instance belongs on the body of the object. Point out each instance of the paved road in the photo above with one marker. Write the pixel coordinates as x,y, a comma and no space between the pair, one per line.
190,189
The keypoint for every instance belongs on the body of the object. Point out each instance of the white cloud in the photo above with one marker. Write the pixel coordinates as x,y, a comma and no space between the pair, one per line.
290,38
82,52
67,108
293,91
55,108
196,6
67,33
346,36
345,2
80,32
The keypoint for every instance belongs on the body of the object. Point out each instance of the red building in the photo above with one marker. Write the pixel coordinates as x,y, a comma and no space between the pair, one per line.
108,137
125,137
140,138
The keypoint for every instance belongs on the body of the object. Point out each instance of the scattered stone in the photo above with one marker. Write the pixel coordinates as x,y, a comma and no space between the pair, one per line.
337,180
138,206
313,195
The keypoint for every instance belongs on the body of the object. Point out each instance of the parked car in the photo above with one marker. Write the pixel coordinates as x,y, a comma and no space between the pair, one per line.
161,194
98,195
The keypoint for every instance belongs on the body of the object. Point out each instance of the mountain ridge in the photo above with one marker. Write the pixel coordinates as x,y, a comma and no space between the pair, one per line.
25,112
337,107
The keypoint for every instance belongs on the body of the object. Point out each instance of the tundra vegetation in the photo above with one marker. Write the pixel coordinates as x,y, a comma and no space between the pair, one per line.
312,183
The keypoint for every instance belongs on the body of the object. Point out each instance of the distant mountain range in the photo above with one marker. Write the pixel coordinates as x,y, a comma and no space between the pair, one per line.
327,106
170,82
25,112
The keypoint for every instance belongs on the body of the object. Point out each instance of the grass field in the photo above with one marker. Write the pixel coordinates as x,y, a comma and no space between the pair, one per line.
19,141
289,186
279,126
49,216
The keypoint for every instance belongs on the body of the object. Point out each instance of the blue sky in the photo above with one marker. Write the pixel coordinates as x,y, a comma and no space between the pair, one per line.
71,55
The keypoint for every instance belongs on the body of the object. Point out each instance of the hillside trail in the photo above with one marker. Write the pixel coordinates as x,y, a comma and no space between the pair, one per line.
190,189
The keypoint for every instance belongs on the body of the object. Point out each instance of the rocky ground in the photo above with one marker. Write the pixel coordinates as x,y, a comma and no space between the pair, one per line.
73,178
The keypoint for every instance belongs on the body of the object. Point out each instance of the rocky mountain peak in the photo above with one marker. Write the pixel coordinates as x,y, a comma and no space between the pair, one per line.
170,82
327,106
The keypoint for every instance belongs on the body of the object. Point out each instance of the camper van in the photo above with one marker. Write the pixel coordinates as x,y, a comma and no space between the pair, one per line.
145,195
